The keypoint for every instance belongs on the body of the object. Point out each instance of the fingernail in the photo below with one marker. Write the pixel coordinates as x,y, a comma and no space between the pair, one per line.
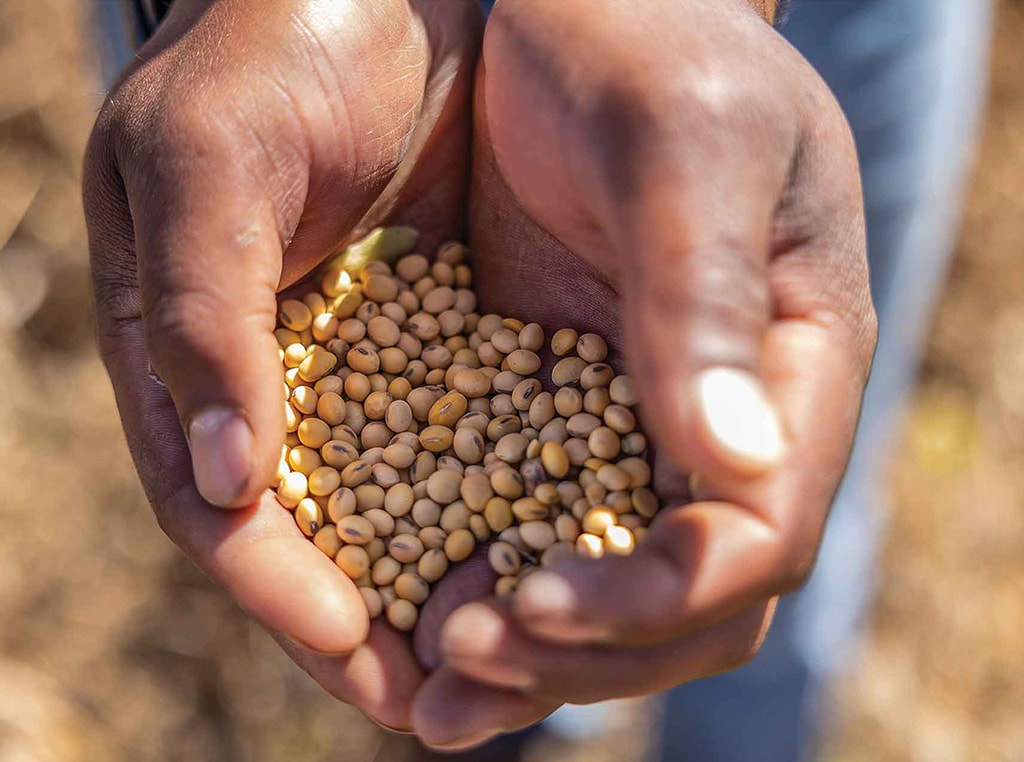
494,673
222,453
472,631
389,729
545,595
547,605
467,741
740,418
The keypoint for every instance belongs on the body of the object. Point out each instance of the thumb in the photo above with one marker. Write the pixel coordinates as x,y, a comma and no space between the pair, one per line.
209,257
696,309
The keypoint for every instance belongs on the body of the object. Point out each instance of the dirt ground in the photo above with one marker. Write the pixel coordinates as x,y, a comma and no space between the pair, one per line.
112,647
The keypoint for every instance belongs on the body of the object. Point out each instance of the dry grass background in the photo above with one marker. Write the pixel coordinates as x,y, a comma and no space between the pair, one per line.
113,648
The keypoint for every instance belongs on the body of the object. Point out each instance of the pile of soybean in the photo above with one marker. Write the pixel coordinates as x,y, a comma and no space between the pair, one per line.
419,430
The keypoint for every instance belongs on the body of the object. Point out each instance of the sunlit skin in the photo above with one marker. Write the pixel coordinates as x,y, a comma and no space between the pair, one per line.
671,175
238,135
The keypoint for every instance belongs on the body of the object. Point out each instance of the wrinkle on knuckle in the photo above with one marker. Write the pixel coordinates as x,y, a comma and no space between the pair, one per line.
827,281
867,333
723,294
746,647
118,319
170,130
175,327
792,563
115,285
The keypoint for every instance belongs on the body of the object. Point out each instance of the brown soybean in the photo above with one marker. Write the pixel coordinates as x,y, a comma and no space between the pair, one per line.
592,348
567,371
555,459
538,535
472,383
355,530
406,548
504,558
353,560
412,588
564,341
432,564
459,545
402,615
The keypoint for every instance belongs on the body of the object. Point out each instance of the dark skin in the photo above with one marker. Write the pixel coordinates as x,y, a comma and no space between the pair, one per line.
676,179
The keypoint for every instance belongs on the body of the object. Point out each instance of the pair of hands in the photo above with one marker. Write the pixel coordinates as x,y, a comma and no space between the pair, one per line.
671,175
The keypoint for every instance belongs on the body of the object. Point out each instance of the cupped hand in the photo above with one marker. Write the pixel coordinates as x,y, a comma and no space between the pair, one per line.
246,143
675,177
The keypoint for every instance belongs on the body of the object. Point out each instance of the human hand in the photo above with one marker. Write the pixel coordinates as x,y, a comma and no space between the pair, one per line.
240,149
675,177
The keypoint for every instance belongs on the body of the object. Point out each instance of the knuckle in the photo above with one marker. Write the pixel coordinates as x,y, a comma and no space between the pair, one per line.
747,646
710,101
181,130
117,311
177,327
170,497
792,564
719,289
868,333
158,122
115,285
652,108
725,269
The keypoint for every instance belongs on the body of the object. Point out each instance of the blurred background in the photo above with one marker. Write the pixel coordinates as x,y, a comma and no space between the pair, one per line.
113,647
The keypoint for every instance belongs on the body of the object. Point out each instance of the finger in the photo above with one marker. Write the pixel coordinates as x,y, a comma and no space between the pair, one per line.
482,641
696,307
209,259
380,676
429,188
675,206
468,580
707,560
453,713
257,554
